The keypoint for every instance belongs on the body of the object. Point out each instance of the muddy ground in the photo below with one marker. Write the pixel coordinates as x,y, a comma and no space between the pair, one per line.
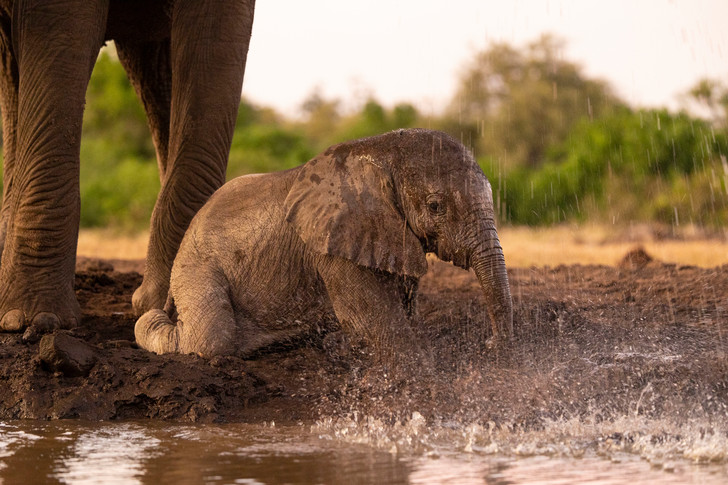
643,338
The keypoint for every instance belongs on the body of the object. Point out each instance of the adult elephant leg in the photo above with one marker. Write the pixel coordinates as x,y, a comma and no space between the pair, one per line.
149,69
9,108
209,46
56,45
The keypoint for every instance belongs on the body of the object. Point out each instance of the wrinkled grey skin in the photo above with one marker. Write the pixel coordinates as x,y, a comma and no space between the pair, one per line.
342,237
186,60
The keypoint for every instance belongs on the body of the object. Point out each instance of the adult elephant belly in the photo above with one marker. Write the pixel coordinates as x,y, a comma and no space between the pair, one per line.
139,20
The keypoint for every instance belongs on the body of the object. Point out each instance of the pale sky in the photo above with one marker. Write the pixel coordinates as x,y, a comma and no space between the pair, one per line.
650,51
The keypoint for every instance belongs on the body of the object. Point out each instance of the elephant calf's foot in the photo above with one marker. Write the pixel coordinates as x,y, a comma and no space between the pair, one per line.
154,331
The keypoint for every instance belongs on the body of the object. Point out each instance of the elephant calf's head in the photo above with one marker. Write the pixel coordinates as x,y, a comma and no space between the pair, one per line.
384,201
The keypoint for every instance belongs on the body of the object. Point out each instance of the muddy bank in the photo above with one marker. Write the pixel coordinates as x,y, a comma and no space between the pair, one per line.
643,338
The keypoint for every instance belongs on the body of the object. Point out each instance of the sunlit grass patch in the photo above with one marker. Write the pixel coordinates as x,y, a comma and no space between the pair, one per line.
112,244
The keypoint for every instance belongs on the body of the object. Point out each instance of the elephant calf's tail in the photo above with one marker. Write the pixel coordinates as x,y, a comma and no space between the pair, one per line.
154,331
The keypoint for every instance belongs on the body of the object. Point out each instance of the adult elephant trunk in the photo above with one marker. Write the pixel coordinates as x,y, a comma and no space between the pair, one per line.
489,264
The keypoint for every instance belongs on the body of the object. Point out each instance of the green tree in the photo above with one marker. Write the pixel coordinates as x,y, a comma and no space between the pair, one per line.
373,119
325,125
265,142
321,117
712,95
628,165
514,104
113,112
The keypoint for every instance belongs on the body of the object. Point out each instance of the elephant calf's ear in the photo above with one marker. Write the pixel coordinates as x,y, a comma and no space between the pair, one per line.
343,205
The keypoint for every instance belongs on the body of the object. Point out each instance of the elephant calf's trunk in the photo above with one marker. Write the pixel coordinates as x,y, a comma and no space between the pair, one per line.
490,267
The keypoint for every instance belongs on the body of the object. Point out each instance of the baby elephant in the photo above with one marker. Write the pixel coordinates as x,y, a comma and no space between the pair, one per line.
342,237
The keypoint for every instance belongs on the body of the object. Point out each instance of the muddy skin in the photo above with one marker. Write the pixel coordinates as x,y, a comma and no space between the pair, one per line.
648,339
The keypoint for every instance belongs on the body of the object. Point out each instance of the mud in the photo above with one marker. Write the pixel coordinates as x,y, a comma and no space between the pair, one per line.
641,339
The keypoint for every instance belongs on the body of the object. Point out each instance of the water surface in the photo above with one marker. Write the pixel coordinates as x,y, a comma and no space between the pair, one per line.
355,451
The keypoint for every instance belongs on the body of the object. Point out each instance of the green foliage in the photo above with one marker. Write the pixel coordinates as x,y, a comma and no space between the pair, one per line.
325,125
113,111
628,165
122,196
262,143
712,96
119,178
374,119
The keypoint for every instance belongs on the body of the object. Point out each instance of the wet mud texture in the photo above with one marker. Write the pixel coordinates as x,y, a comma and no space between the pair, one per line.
642,338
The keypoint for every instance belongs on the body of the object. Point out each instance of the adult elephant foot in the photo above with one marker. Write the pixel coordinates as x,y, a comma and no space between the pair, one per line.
149,296
45,311
36,284
37,278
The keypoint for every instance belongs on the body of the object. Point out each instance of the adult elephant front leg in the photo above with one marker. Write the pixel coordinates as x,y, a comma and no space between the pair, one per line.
36,275
209,46
9,108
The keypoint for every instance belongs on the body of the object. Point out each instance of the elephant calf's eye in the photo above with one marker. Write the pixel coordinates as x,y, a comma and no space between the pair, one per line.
435,206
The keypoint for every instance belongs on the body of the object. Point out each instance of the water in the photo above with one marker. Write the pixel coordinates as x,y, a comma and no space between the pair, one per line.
361,450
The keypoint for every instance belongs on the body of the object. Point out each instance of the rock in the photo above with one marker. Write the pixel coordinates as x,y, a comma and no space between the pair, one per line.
635,259
32,334
59,352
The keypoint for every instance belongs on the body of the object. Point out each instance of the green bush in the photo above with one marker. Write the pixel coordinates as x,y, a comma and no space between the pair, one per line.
266,148
628,165
122,197
119,177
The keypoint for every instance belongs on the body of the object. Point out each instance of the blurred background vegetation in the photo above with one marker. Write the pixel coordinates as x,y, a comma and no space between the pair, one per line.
557,146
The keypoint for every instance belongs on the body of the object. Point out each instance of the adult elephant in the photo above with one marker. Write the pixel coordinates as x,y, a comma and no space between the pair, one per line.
186,60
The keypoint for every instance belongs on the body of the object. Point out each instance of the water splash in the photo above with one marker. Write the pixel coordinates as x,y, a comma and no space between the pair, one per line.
661,442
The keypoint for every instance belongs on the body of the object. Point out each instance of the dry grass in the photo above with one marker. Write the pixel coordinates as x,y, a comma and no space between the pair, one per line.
108,244
524,247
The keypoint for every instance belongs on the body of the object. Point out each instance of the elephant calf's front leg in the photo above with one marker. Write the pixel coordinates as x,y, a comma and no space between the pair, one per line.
372,306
